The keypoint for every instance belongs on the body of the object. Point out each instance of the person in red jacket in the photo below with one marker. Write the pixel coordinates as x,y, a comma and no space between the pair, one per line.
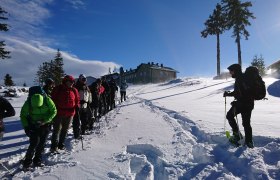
66,99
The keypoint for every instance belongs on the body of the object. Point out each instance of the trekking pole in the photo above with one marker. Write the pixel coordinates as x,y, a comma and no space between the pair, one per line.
227,132
6,168
80,131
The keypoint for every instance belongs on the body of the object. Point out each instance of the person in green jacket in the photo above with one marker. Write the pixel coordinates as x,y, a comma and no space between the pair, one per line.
36,114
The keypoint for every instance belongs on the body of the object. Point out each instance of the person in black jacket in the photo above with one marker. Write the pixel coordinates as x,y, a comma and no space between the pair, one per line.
243,104
6,110
113,90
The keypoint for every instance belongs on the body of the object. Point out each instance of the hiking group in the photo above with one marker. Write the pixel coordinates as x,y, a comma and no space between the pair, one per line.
57,107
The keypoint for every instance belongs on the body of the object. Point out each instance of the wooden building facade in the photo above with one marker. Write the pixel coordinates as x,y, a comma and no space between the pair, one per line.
149,73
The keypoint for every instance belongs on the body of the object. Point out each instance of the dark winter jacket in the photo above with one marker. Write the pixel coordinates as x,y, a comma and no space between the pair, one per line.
241,91
113,87
6,109
95,88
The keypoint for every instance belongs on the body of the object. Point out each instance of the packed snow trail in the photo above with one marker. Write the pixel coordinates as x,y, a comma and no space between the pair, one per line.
147,137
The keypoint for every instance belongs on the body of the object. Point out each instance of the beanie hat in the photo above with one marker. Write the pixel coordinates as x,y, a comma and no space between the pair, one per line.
82,77
68,78
49,81
235,67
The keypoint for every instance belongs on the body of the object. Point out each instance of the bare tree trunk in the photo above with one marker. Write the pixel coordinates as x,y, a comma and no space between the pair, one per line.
239,49
218,55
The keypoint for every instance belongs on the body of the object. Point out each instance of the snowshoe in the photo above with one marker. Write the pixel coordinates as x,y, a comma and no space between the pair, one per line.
234,142
234,138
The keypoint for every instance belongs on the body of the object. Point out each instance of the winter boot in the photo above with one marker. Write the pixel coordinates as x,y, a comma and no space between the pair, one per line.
236,136
54,150
37,162
61,146
250,144
27,164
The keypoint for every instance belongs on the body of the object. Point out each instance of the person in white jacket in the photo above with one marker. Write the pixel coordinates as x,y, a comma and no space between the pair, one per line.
80,122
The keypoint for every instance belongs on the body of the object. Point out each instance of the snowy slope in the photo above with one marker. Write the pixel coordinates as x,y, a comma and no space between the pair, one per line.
163,131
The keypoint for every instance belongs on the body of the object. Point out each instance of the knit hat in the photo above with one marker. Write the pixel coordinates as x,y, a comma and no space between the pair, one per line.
82,77
68,78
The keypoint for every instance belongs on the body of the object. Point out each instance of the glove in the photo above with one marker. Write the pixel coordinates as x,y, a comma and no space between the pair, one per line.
226,93
39,123
27,131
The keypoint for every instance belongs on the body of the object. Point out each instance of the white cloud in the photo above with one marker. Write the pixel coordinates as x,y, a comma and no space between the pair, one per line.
28,44
26,18
26,58
76,4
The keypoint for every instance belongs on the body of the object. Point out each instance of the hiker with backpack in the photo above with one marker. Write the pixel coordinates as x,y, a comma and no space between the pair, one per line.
6,110
80,122
36,114
243,104
66,99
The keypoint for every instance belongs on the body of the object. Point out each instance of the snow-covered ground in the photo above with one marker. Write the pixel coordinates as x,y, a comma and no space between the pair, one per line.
173,130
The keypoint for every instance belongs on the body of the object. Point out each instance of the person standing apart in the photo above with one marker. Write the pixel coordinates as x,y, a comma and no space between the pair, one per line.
123,88
243,104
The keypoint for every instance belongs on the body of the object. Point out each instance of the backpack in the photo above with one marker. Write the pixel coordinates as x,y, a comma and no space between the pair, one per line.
255,83
36,90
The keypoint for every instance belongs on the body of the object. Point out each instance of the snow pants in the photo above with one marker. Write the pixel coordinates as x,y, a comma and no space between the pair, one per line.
37,141
245,111
80,122
123,96
60,129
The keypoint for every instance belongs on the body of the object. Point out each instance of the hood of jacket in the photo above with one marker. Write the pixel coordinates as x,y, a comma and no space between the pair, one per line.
37,100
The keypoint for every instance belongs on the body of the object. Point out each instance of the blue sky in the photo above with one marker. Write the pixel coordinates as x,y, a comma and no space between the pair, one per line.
130,32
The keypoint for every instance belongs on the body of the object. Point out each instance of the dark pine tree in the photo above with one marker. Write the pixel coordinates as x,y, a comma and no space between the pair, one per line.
57,70
259,63
3,27
238,16
8,80
215,25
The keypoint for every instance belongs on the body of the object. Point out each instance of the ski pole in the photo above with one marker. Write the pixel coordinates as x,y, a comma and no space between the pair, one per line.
81,131
6,168
227,132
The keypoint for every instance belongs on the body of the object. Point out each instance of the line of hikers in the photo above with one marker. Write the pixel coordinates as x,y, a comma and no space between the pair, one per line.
59,107
83,105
